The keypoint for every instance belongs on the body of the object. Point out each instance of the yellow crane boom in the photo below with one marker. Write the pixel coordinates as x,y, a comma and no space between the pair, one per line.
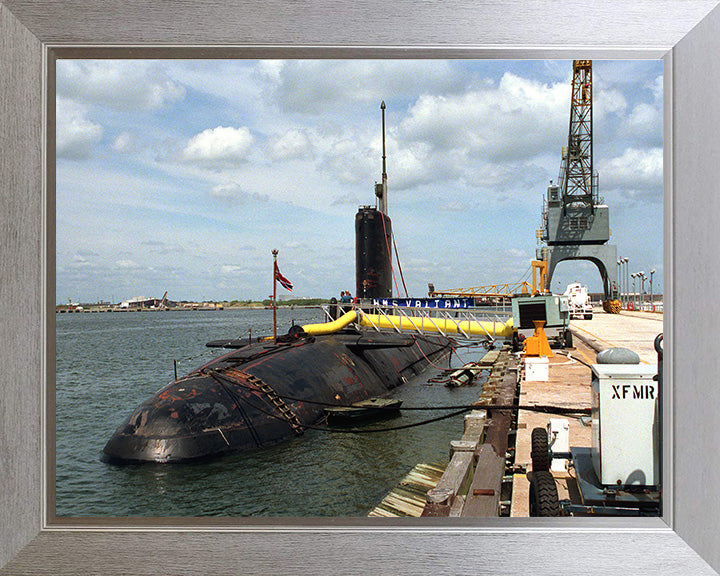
488,291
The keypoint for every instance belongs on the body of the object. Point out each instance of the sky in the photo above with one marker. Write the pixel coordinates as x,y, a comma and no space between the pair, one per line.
183,175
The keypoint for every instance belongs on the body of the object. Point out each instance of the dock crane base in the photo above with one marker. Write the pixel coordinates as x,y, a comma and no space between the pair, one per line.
604,256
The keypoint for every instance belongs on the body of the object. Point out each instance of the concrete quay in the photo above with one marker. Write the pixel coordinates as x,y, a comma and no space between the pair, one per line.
634,330
569,385
493,453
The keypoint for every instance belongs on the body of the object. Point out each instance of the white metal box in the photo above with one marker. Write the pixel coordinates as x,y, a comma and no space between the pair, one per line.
559,435
625,418
537,369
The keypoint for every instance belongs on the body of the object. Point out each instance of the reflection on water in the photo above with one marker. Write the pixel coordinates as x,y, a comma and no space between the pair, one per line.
108,363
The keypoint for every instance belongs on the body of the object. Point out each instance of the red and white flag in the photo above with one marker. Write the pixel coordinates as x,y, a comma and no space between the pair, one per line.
283,281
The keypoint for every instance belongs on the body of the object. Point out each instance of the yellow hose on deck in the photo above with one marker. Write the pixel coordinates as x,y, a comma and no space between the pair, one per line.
499,329
424,324
330,327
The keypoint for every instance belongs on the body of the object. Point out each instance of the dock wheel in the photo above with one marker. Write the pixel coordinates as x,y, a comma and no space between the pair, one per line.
539,450
544,499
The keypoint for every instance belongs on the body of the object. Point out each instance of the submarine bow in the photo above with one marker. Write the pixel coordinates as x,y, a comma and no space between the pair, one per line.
267,392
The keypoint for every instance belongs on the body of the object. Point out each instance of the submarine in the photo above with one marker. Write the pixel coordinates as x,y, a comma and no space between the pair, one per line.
267,392
262,393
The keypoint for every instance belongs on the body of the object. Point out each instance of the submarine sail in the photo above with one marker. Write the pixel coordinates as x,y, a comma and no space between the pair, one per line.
373,238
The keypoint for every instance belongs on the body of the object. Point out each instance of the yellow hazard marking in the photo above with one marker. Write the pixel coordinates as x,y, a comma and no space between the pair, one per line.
593,335
585,356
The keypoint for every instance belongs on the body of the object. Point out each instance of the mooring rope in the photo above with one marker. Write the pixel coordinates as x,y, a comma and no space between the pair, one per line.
397,258
456,411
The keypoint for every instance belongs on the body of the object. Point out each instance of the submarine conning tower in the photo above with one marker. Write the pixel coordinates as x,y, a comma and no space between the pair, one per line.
373,238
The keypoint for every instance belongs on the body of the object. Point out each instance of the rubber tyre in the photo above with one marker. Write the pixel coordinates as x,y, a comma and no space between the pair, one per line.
588,316
539,450
544,499
296,331
568,339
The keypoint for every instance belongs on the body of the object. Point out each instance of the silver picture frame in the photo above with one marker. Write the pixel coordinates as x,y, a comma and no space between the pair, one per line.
684,33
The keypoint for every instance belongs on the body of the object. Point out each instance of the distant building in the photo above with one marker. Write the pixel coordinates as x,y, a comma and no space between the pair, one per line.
284,297
143,302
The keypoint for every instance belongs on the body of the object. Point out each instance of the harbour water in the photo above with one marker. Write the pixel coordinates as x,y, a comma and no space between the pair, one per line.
107,364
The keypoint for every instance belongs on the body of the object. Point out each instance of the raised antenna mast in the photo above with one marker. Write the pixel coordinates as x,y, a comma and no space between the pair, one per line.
381,191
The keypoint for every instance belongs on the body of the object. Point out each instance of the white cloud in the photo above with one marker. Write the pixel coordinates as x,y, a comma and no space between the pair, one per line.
336,84
123,142
231,270
271,69
656,87
409,164
468,143
75,133
489,137
219,144
293,144
346,199
79,261
228,192
644,124
635,172
644,117
124,84
517,254
518,117
232,193
355,158
349,159
606,102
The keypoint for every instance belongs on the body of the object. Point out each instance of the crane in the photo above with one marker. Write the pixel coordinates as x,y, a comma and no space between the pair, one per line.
494,291
577,177
576,224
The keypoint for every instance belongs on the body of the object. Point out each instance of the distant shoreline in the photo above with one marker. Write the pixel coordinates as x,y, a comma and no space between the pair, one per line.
191,306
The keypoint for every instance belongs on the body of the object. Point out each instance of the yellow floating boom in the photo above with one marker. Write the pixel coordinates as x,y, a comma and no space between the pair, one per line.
441,325
422,323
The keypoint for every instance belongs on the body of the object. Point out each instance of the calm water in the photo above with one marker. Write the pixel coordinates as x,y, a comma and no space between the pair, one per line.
107,364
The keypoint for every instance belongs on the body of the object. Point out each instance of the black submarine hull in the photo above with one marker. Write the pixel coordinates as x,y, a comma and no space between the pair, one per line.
265,393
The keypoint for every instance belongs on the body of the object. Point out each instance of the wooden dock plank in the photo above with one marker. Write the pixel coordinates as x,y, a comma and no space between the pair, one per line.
474,426
456,475
408,498
490,358
483,497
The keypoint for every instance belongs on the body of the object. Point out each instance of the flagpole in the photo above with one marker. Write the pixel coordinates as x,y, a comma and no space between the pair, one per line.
275,253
